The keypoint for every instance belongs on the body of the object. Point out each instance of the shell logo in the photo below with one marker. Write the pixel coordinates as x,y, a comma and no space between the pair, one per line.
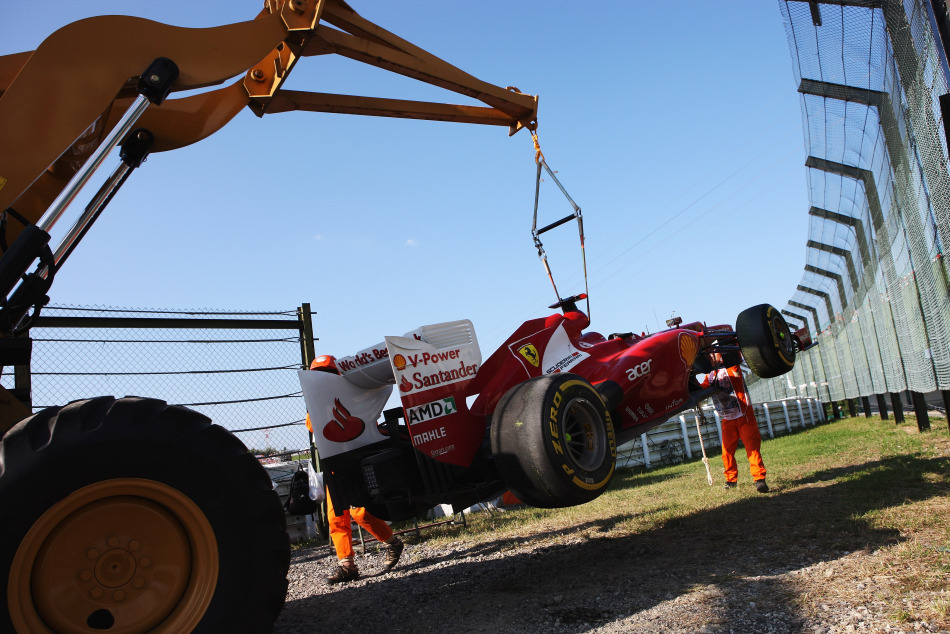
689,347
399,362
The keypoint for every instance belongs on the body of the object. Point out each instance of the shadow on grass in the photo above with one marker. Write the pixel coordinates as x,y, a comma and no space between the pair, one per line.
725,553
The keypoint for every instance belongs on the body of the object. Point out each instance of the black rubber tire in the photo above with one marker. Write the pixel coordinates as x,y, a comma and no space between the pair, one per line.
553,441
766,341
52,460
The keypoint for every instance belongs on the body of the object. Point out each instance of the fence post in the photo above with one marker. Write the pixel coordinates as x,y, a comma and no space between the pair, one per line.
920,411
898,408
882,406
811,412
307,350
307,354
801,415
768,419
788,422
946,405
866,404
646,450
689,452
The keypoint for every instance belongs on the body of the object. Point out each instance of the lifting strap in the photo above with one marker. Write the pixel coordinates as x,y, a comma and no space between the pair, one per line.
699,416
536,233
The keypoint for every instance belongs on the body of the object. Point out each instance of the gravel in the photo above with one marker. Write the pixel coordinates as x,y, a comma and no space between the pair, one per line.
682,578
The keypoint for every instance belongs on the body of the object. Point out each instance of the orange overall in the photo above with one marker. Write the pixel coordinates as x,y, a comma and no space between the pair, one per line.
342,533
738,422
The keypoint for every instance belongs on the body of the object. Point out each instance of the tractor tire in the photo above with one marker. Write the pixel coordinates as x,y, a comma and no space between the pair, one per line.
553,441
131,515
766,341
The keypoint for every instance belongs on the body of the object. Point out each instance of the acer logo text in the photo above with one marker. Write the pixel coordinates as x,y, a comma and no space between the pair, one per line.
638,371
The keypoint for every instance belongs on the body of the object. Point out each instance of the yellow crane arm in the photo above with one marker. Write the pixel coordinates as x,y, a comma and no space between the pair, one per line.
93,66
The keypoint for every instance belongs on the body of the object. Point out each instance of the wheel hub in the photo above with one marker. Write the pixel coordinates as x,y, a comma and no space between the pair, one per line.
115,567
121,555
585,436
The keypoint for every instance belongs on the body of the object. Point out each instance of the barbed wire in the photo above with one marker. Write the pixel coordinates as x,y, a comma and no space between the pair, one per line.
139,373
291,424
244,400
279,340
285,313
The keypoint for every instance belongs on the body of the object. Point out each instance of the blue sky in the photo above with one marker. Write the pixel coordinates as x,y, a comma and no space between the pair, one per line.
675,126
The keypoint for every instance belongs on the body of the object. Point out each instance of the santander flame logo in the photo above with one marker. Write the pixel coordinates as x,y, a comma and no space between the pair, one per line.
405,385
344,426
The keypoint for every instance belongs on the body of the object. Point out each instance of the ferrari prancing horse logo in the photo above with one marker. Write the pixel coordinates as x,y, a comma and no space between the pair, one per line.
529,352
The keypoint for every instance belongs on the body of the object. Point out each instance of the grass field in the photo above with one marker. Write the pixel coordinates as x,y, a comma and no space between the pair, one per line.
859,512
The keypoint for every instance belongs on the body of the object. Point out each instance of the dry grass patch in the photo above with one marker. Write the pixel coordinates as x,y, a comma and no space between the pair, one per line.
857,523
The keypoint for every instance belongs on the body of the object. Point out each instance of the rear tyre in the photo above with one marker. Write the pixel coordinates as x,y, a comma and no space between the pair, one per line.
766,341
553,441
132,515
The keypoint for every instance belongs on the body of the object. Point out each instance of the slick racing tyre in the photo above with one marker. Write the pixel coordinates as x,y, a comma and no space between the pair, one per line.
131,515
766,341
553,441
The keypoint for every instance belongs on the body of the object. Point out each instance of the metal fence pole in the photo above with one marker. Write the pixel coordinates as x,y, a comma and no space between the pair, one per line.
788,421
920,411
685,432
768,419
898,408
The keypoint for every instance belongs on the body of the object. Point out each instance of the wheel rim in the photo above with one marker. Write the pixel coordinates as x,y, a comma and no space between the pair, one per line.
124,555
585,434
779,327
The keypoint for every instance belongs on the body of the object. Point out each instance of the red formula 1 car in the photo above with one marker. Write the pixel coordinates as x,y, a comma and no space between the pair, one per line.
542,416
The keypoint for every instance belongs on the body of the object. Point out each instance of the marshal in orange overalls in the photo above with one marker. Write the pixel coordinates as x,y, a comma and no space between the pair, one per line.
738,422
341,532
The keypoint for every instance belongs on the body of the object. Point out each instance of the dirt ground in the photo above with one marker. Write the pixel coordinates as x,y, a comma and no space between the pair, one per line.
794,560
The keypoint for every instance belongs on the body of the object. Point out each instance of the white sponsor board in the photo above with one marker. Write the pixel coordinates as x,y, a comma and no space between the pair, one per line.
343,415
419,365
367,368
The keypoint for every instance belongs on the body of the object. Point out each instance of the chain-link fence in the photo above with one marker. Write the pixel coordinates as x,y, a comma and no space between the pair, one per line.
874,294
238,368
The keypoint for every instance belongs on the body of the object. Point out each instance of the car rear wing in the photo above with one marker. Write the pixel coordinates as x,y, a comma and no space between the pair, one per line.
433,365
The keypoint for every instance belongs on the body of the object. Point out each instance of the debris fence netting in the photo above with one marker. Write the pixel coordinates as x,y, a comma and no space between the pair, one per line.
242,377
870,74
